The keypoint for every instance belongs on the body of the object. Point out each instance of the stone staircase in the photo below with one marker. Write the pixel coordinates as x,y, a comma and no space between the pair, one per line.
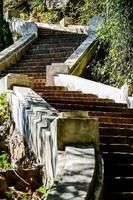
115,119
51,47
116,137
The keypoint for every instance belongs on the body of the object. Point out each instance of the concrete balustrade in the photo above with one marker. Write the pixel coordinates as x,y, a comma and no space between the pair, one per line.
74,83
80,58
61,27
13,53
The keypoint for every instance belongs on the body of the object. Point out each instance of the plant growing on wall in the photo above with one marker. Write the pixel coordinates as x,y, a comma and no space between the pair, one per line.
4,109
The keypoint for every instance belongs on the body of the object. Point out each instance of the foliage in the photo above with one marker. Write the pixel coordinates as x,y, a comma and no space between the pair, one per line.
4,108
81,11
4,160
42,190
116,35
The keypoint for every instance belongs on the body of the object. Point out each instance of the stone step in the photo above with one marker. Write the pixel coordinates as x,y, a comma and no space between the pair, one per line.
55,45
51,50
28,70
51,31
51,55
59,40
32,64
63,36
49,59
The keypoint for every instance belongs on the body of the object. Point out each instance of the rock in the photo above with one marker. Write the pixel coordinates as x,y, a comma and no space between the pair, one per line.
17,148
56,3
3,184
23,178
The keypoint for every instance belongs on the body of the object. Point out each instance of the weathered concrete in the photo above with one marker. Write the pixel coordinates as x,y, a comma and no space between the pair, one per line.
29,33
53,70
78,172
95,23
80,58
70,28
14,52
33,117
77,131
74,83
7,82
23,27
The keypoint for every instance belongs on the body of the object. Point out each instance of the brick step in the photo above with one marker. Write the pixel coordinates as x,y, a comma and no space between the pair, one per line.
52,31
39,80
115,120
63,107
115,125
117,157
75,98
55,45
116,148
116,169
32,64
119,184
51,50
63,36
36,70
59,40
116,131
97,102
52,55
119,139
111,114
36,76
53,60
50,89
65,95
118,196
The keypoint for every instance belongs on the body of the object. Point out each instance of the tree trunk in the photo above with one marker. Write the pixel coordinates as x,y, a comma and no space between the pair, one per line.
1,25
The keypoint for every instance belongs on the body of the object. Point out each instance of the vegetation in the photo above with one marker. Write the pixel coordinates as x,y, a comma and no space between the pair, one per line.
4,109
79,11
5,33
4,160
117,42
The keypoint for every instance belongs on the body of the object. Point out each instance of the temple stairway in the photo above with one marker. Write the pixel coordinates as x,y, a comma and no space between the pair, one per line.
116,137
51,47
115,119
